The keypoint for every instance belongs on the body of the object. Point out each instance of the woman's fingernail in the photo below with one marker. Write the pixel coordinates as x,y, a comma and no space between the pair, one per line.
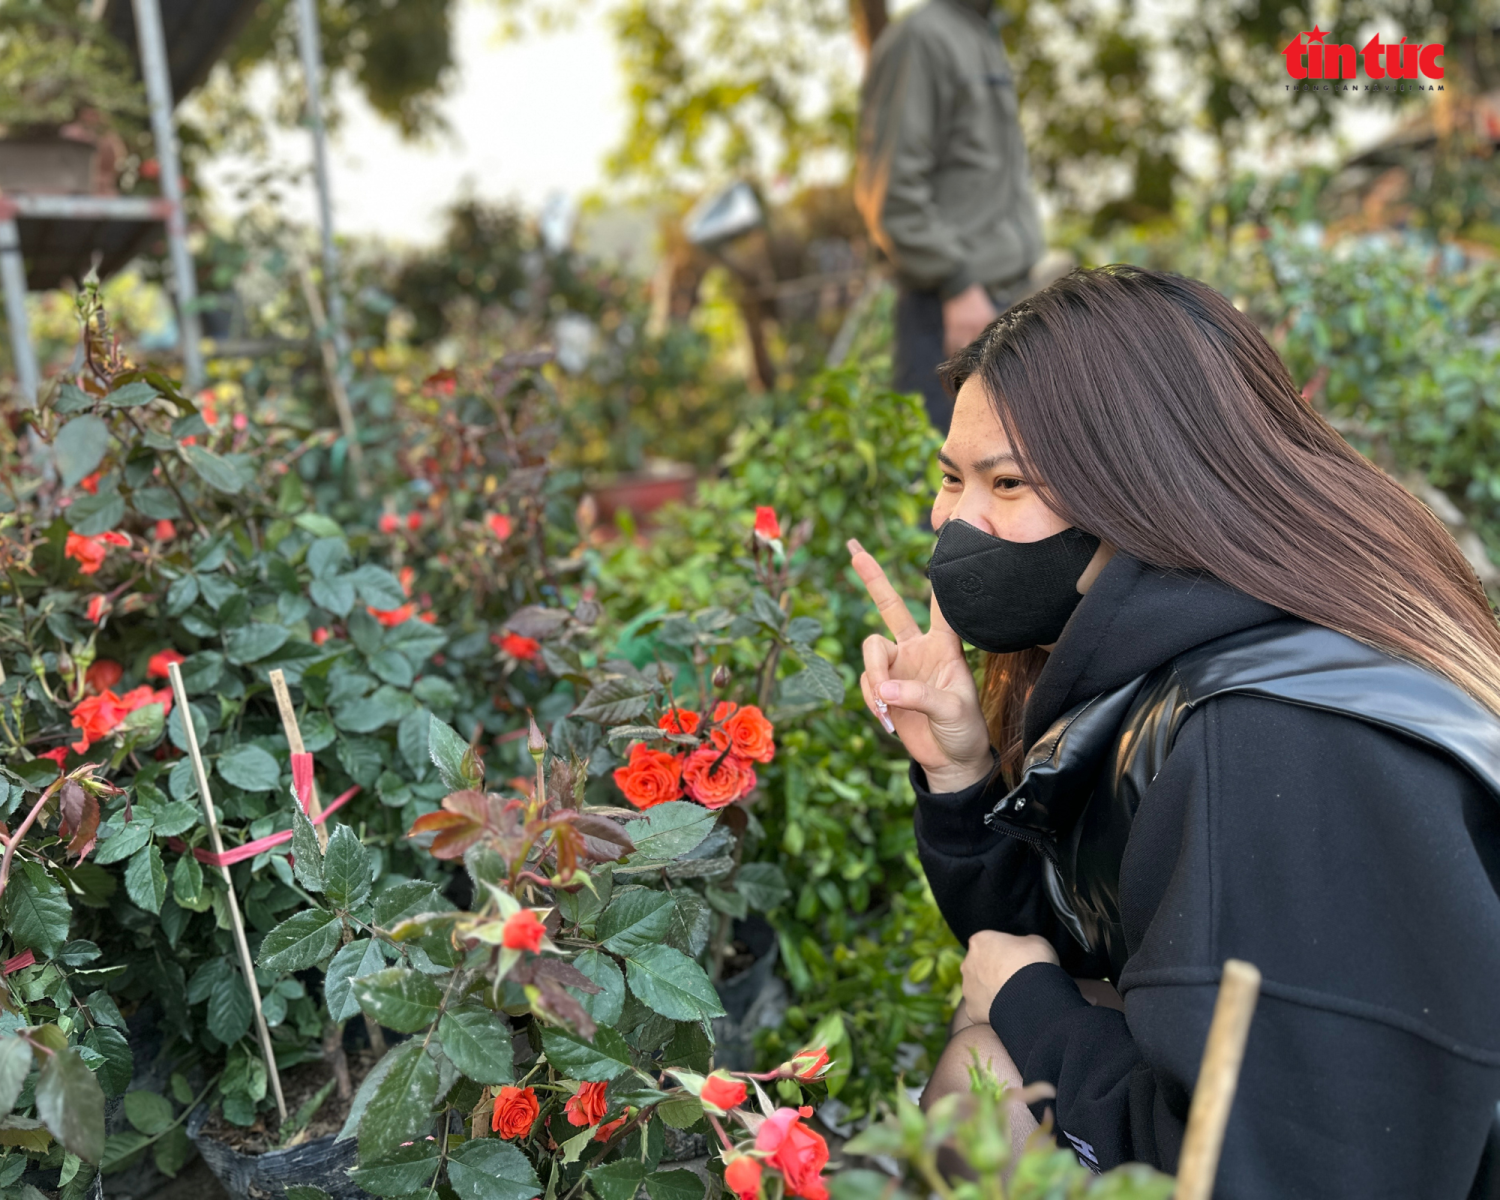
885,720
890,690
853,546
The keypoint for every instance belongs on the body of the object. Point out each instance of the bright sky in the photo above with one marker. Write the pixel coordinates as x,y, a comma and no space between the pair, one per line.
528,119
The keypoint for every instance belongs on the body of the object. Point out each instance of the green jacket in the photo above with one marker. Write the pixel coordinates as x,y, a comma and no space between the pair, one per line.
942,179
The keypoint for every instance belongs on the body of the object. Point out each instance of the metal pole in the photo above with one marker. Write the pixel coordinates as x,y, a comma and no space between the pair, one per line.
159,95
312,71
13,277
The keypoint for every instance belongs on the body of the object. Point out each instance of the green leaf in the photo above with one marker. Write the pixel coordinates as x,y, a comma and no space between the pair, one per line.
306,1191
156,503
99,513
608,1002
307,855
132,395
72,399
636,917
148,1112
385,707
400,999
406,899
249,768
618,1180
680,1112
671,830
318,525
15,1065
115,1071
616,701
250,643
335,594
804,629
378,587
606,1057
672,984
674,1185
402,1171
78,448
818,680
411,738
477,1042
489,1169
691,923
301,941
326,555
71,1104
394,667
360,756
358,958
113,847
346,869
146,879
120,1149
174,818
171,1151
230,1008
762,884
447,751
36,911
219,473
400,1109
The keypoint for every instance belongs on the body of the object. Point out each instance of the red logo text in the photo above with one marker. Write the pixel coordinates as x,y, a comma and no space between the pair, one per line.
1314,59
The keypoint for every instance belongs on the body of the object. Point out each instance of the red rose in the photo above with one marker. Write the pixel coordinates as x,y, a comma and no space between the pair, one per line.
809,1063
388,523
679,720
796,1151
523,932
103,675
605,1132
414,521
405,576
57,754
499,525
164,531
766,524
142,696
588,1106
723,1092
651,777
95,718
393,616
156,668
515,1112
98,607
742,1177
751,735
320,635
716,779
524,648
88,551
90,483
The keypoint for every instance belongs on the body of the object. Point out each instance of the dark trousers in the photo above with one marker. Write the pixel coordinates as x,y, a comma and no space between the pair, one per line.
919,345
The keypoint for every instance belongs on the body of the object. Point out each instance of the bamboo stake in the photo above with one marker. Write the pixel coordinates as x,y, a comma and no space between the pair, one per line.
334,376
1217,1079
246,964
294,743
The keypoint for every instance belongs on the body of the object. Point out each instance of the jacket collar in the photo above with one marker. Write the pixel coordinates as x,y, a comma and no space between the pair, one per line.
980,8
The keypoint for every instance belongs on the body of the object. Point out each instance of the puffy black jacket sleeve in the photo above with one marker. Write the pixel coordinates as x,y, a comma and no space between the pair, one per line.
983,878
1361,873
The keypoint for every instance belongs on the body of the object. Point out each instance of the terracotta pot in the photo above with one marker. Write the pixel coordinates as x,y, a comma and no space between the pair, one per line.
642,492
47,163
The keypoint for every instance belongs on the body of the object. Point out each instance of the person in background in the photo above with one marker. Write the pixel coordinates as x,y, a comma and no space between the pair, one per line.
943,185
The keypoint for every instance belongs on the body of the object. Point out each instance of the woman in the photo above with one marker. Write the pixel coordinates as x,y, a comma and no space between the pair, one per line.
1240,701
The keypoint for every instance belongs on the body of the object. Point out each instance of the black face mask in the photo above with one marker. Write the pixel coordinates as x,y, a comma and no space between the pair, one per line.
1002,596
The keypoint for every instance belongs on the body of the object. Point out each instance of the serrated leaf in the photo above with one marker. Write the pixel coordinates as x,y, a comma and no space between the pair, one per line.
249,768
400,1108
115,1071
146,879
411,739
762,885
36,910
336,594
96,514
636,917
489,1169
253,642
326,555
393,667
616,701
307,855
358,958
605,1005
230,1008
804,629
400,1172
301,941
346,869
132,395
670,983
385,707
618,1180
378,587
71,1104
670,830
818,680
219,473
130,837
691,923
680,1112
477,1042
156,503
674,1185
399,998
174,818
78,448
406,899
606,1057
447,750
171,1151
148,1112
15,1065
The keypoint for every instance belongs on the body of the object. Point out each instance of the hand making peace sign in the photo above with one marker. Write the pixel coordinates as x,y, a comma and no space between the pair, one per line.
928,693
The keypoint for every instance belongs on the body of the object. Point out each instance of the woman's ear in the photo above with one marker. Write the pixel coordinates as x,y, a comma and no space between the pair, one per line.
1096,564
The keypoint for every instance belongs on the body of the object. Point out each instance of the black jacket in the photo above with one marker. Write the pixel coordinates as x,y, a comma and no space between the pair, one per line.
1357,868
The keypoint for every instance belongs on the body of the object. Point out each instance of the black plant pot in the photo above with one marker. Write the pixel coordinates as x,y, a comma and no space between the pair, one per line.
754,999
321,1163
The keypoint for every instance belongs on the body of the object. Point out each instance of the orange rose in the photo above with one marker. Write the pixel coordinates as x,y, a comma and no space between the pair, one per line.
651,777
524,648
515,1112
679,720
99,606
796,1151
499,525
156,667
320,635
95,718
742,1177
88,551
751,735
723,1092
766,524
523,932
103,675
163,530
90,483
393,616
588,1106
605,1132
809,1063
388,523
716,779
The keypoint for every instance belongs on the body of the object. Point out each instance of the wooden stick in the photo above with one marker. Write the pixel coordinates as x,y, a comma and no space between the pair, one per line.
246,963
1217,1079
294,743
332,373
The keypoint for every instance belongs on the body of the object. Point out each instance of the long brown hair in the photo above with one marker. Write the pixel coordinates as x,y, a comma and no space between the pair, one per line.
1147,410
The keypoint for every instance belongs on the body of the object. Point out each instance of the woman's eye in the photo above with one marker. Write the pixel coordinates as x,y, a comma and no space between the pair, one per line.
951,480
1009,483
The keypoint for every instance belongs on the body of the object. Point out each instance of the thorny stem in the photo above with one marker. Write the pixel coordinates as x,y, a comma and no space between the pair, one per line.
15,839
719,1129
619,1134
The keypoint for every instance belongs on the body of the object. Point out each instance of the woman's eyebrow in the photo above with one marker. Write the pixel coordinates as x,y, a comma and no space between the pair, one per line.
983,465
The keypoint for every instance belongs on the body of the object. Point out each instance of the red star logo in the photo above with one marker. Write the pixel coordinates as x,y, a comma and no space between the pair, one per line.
1316,35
